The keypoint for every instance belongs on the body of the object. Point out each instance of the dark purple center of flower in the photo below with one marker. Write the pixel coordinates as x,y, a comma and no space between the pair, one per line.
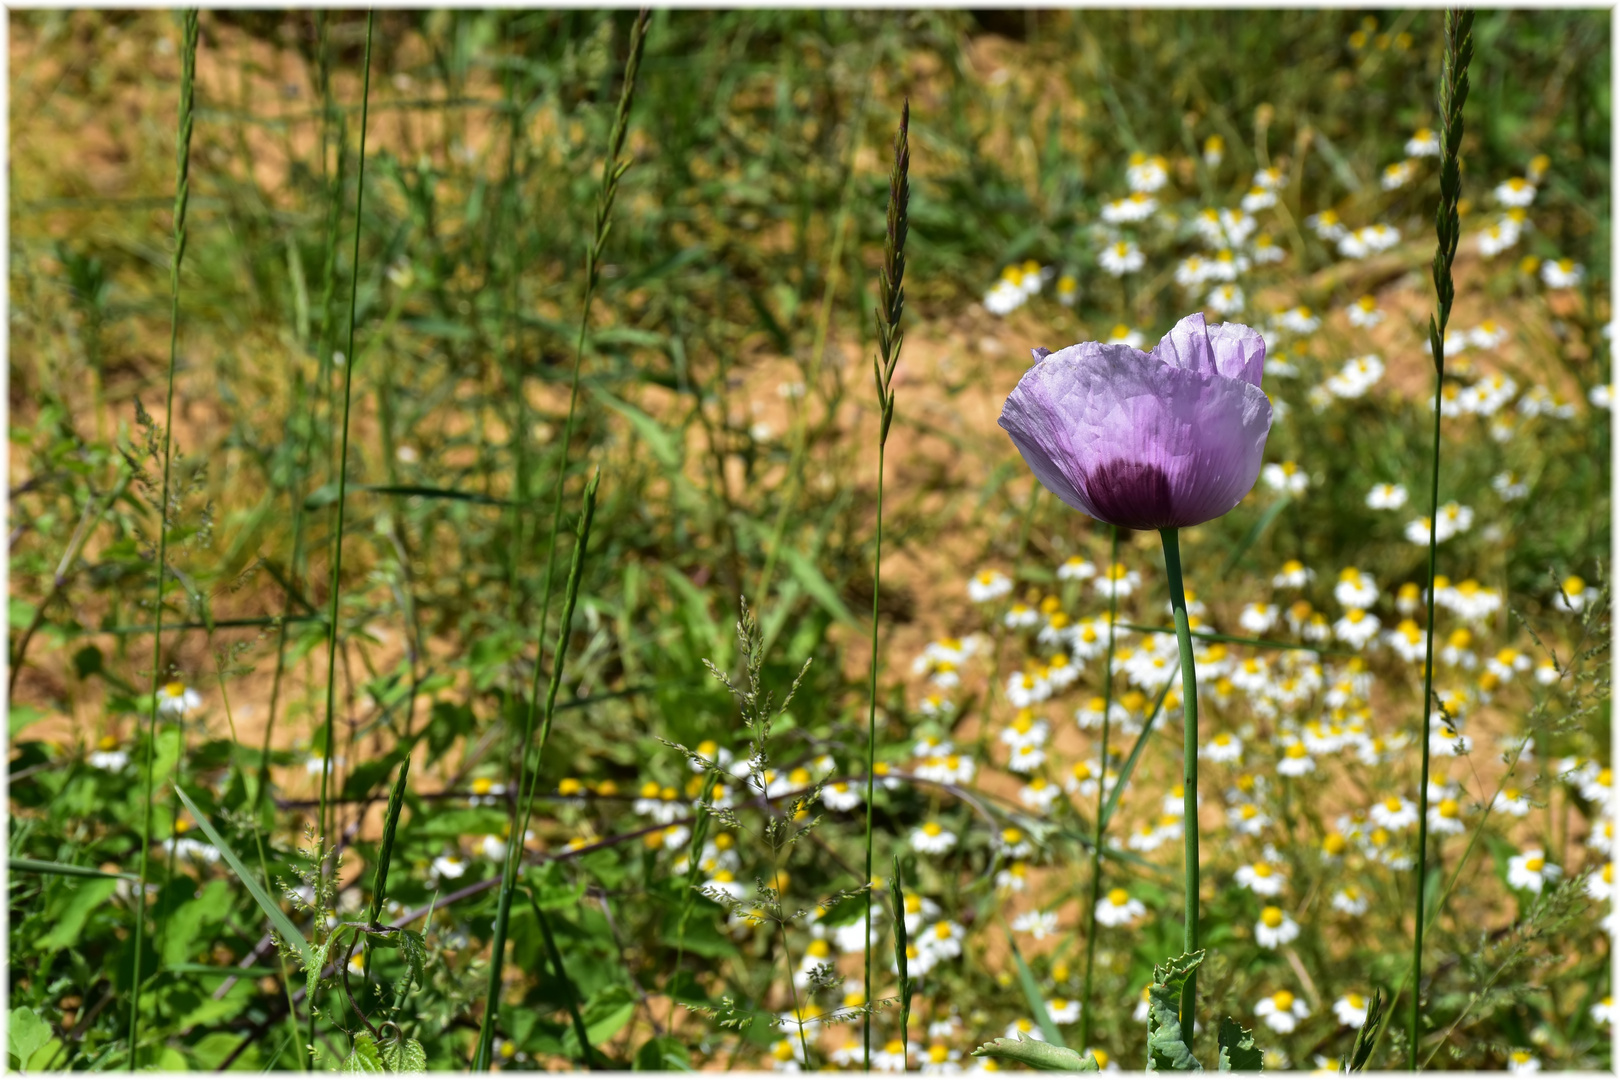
1131,494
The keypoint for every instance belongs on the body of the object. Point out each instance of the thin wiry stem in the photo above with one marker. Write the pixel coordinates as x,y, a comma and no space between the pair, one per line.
182,195
323,352
1459,50
343,465
613,170
892,301
1102,793
1189,769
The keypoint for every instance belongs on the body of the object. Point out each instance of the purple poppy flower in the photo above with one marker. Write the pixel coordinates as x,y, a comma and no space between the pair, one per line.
1158,440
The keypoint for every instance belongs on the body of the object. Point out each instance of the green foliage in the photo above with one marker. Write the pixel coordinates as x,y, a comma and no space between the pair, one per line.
1166,1052
25,1033
1038,1055
1238,1050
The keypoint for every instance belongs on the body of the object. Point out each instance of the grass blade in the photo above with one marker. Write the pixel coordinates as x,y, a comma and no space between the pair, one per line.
1032,995
46,866
570,991
272,910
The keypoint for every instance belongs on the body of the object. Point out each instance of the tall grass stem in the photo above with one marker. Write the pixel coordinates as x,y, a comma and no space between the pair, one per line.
182,195
891,306
1459,50
613,170
328,750
531,773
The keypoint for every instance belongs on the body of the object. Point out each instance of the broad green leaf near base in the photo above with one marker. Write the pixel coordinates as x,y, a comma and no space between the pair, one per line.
1166,1051
1038,1055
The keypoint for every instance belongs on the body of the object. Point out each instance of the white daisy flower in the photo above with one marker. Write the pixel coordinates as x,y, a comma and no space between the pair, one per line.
1146,174
1275,928
931,838
988,585
1282,1011
1257,618
1351,1009
1394,813
1398,175
1423,143
1038,924
1121,258
1293,575
1355,589
1222,747
1603,1011
1076,568
1530,870
1119,908
1562,273
1356,628
1523,1061
1285,476
1063,1010
1515,192
177,699
1261,878
1387,496
1350,900
107,756
1225,300
1296,761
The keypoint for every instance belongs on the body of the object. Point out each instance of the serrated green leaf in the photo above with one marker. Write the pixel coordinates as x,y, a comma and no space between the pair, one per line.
278,918
1038,1055
404,1056
414,949
1238,1050
1166,1051
364,1057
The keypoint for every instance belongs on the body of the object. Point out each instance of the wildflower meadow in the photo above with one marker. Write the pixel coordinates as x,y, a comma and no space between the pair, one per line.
895,540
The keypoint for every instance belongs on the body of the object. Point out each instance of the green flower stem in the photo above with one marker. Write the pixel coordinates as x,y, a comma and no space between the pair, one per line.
1189,765
1102,794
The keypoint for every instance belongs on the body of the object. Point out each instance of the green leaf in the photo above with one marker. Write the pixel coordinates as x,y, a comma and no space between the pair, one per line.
664,446
70,921
813,582
404,1056
45,866
278,918
25,1034
365,1057
1032,995
20,718
1253,534
1166,1051
1038,1055
1238,1051
662,1054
